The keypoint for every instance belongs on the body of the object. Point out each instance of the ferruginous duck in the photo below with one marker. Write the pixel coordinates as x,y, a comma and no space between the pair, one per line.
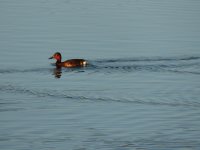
68,63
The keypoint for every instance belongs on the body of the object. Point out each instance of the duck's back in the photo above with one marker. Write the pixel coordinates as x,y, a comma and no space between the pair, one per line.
74,63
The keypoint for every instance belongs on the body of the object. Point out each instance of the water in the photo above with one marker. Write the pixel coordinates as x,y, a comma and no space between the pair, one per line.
139,91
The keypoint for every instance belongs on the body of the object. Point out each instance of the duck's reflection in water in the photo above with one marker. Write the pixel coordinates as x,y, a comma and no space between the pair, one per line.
57,72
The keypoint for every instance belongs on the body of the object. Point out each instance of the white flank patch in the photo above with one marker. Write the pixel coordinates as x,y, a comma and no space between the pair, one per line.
84,63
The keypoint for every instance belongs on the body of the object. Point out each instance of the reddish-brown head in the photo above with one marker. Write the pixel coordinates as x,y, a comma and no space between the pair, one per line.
57,56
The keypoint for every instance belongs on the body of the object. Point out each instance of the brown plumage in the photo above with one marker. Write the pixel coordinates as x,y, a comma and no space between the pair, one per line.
68,63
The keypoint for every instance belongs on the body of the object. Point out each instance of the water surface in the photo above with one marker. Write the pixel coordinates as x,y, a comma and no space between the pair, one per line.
139,91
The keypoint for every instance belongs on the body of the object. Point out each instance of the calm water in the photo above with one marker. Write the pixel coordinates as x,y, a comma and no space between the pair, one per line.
140,91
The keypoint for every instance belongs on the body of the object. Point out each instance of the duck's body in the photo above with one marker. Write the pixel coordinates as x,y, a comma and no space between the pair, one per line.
72,63
68,63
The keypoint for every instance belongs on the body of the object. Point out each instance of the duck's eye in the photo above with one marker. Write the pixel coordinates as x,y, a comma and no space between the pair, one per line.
57,56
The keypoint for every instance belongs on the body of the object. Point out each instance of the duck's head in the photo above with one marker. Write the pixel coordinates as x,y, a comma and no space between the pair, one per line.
56,56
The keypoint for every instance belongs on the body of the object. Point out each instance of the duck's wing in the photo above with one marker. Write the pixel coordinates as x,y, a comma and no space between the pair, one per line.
74,63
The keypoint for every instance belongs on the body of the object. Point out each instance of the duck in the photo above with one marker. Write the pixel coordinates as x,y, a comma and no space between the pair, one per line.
68,63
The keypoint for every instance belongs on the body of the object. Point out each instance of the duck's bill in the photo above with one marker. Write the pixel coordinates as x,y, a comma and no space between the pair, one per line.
51,57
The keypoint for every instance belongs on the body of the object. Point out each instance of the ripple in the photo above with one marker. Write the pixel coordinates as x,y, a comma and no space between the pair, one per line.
11,71
82,98
143,59
189,65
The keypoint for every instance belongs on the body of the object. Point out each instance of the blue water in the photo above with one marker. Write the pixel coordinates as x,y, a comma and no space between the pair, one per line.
140,90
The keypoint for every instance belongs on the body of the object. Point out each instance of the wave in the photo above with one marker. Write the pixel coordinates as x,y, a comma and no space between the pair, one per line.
189,65
7,71
144,59
79,98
